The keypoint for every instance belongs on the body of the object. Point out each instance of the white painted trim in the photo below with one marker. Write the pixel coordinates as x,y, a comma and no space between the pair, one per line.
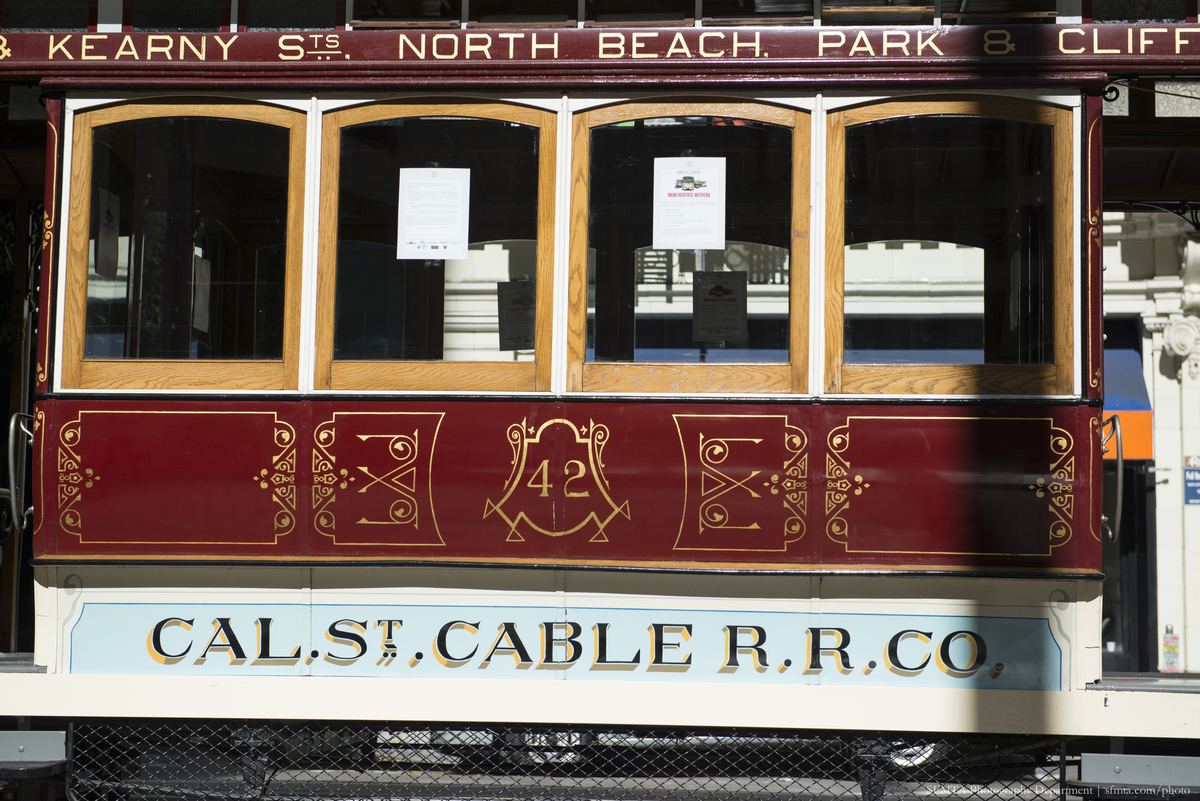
85,100
837,100
1078,120
337,102
562,250
816,268
64,224
308,253
45,610
487,700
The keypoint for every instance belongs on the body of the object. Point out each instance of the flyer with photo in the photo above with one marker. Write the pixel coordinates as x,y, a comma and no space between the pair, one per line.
689,204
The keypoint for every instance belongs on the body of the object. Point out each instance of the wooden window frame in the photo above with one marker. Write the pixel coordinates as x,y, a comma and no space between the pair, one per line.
357,375
1057,378
154,374
678,377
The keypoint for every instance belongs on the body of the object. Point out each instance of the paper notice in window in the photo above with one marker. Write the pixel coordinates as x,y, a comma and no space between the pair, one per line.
689,204
516,303
108,209
201,292
719,307
434,206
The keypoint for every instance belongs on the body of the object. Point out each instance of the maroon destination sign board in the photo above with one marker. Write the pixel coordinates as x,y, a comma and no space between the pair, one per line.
592,55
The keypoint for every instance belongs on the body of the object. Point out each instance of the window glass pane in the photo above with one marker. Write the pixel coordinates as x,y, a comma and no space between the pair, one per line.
186,250
642,300
289,15
949,241
44,15
177,15
480,308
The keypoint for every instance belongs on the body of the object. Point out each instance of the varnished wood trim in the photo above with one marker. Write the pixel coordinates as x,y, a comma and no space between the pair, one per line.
331,141
949,379
578,274
250,112
799,257
674,377
1064,249
375,112
643,111
934,570
170,374
435,375
431,375
81,373
74,319
835,250
1013,108
544,312
1057,378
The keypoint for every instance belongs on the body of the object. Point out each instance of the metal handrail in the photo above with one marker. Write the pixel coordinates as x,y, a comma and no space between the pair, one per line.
15,492
1114,423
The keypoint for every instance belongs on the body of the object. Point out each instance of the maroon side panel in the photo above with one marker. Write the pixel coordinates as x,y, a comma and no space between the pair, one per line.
586,482
1094,254
179,479
49,242
972,487
1091,540
427,481
689,483
41,493
553,481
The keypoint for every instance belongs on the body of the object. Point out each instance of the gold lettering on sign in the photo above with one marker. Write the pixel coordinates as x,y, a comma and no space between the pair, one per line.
87,46
678,45
711,53
225,46
638,44
295,51
901,45
127,42
923,43
1096,48
484,48
183,40
553,47
612,45
865,45
441,37
512,40
404,40
1144,40
738,45
1062,39
996,43
835,39
61,47
152,48
1179,40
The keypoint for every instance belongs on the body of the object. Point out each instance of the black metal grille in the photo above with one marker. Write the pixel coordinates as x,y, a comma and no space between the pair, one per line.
296,760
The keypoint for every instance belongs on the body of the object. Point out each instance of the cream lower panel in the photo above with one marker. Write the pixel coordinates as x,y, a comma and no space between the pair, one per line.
612,630
487,700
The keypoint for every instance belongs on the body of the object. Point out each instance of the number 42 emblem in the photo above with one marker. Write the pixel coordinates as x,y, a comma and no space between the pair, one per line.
557,485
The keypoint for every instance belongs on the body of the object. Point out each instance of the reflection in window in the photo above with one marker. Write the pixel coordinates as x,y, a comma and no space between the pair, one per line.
641,300
949,217
186,249
478,308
